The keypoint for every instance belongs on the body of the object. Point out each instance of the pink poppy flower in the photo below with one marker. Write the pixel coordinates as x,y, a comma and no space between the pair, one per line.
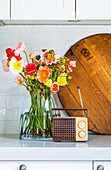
54,88
72,65
19,80
20,48
4,65
49,58
31,69
32,55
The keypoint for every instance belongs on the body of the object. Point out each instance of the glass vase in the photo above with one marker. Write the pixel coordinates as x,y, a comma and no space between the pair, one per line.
36,124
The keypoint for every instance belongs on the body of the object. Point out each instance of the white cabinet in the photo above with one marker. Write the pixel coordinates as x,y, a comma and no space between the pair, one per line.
93,9
43,9
105,165
4,9
47,165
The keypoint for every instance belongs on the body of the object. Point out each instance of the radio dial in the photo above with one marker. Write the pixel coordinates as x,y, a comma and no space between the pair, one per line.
82,124
82,134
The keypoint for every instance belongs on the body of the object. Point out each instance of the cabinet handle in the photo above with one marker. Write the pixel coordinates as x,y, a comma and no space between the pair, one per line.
22,167
100,167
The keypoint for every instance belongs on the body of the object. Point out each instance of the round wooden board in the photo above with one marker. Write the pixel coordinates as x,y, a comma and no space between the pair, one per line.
93,75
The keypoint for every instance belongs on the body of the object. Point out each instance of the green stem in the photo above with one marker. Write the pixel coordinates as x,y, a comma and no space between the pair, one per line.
26,56
22,75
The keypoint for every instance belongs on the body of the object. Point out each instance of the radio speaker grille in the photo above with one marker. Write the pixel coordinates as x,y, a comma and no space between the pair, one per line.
64,129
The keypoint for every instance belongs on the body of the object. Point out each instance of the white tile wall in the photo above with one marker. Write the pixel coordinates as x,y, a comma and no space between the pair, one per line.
57,37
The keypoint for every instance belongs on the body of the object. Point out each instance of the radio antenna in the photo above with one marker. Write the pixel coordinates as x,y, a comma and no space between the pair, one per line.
80,99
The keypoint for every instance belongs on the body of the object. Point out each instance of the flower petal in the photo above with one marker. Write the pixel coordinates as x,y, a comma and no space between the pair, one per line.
19,80
4,65
20,48
55,87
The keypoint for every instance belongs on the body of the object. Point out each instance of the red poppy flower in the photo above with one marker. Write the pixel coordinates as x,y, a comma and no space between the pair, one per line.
18,58
11,53
31,69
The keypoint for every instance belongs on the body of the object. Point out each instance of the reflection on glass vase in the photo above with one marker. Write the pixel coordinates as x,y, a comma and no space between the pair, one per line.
36,123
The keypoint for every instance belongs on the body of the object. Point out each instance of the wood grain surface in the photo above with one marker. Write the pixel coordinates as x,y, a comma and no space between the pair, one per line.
93,75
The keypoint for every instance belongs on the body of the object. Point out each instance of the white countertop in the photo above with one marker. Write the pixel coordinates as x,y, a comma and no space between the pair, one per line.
97,148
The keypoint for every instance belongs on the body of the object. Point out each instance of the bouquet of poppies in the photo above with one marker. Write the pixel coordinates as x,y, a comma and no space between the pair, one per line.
41,75
48,69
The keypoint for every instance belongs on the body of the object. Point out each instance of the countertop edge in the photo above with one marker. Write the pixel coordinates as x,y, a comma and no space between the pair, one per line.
34,154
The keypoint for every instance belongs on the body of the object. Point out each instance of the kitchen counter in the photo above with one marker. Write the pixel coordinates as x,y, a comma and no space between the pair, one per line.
97,148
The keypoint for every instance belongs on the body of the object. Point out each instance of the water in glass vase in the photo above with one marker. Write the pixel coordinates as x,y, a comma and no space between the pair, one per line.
36,124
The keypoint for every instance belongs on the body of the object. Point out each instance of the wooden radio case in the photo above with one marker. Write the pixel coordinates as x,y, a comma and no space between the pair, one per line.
70,128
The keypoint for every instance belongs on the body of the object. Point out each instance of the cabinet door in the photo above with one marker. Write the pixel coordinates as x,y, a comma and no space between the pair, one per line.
93,9
47,165
43,9
4,9
105,165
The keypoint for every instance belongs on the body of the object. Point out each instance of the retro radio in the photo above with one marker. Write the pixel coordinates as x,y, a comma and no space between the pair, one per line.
70,128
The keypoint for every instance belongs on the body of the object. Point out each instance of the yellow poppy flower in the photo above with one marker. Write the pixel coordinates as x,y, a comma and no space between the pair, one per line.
48,83
62,81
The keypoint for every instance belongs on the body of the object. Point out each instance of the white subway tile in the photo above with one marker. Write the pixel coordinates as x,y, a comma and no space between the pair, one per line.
11,114
3,29
62,51
108,29
22,90
31,38
14,101
74,37
2,126
3,74
18,28
2,101
12,127
8,114
2,52
6,38
9,88
10,77
55,38
44,28
2,113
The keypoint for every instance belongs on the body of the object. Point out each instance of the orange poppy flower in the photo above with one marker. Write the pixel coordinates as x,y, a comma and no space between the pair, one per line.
43,74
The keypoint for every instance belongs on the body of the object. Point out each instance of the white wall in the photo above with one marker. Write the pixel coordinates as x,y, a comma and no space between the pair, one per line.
57,37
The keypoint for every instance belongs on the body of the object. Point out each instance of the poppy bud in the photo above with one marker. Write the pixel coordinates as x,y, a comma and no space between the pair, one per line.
26,77
69,77
43,50
32,77
37,57
51,51
29,88
67,71
41,86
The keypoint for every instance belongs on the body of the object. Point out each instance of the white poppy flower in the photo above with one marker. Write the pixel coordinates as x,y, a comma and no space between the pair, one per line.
16,66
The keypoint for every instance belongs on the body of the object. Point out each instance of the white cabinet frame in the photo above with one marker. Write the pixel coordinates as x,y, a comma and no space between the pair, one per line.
42,9
93,9
4,9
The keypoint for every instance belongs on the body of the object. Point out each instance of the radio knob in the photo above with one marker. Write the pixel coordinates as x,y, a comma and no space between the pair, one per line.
82,124
82,134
